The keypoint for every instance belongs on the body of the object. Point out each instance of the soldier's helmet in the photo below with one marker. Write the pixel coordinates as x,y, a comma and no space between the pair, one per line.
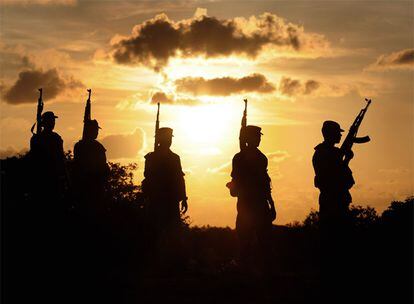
164,133
330,128
253,131
48,116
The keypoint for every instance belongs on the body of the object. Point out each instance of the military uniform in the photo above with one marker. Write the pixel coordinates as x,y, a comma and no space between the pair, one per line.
48,160
255,208
333,178
252,184
90,172
164,187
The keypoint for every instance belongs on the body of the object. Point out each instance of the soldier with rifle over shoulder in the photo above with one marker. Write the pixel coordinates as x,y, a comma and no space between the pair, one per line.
333,176
164,188
46,151
251,185
334,179
90,168
47,211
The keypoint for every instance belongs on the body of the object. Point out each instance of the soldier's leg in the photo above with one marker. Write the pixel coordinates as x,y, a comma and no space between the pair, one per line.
328,256
265,247
245,236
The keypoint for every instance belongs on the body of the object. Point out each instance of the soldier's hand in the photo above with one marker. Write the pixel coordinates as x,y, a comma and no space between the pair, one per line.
349,155
184,206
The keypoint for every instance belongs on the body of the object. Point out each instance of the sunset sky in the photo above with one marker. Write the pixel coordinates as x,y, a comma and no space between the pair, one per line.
298,63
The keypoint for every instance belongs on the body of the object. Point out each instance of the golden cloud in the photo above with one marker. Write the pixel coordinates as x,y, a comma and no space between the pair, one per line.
294,87
403,59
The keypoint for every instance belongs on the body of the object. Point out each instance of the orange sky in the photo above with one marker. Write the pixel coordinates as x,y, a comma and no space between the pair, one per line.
298,62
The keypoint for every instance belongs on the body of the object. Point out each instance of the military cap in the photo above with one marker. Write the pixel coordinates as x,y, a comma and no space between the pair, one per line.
93,124
48,115
253,130
330,126
165,132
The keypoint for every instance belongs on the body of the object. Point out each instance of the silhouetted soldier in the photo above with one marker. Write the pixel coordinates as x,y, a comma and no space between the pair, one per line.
333,178
164,188
255,206
48,159
90,169
47,211
164,184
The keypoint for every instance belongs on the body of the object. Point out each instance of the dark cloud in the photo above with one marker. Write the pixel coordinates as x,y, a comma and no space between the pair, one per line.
290,87
294,87
400,59
123,145
163,98
25,89
224,86
311,86
155,41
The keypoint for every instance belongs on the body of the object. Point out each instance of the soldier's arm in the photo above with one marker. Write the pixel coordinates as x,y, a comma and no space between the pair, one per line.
61,156
181,179
183,194
147,165
33,142
103,163
268,190
76,152
144,183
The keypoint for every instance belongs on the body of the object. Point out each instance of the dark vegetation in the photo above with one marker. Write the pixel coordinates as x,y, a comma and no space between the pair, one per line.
62,257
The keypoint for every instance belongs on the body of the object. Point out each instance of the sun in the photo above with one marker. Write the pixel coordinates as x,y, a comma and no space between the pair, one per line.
208,128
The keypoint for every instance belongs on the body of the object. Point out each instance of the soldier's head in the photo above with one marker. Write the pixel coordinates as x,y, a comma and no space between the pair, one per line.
253,135
332,131
48,120
91,129
164,137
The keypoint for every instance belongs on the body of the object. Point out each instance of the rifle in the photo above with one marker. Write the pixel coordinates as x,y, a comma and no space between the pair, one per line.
352,138
87,115
242,139
38,114
157,126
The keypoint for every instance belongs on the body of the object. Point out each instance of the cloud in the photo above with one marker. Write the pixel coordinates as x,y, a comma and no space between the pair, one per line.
39,2
171,99
224,86
403,59
25,89
153,42
222,169
161,97
124,145
278,156
294,87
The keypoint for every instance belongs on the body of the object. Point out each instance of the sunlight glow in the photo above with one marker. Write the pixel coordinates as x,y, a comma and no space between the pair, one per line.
207,128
